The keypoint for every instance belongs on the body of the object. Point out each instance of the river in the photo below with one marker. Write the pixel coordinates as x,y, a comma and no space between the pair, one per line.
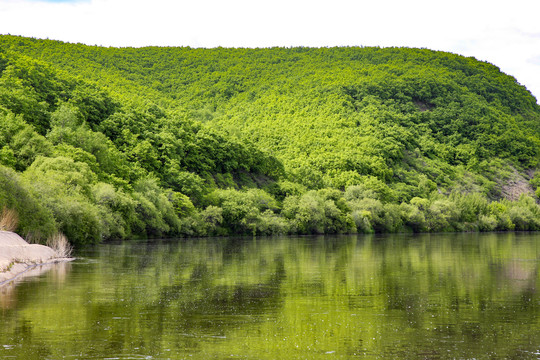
438,296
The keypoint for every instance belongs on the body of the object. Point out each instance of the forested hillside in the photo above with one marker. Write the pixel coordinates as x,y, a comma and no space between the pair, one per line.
106,143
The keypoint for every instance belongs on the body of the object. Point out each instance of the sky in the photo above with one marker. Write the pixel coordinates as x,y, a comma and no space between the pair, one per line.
504,33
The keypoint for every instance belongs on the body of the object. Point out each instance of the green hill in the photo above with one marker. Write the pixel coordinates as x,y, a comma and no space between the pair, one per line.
124,142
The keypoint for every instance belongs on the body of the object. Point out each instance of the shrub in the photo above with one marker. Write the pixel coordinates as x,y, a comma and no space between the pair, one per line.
487,222
413,217
35,221
9,219
79,220
116,211
362,220
318,212
500,211
525,214
522,218
442,215
272,224
470,206
392,220
61,246
155,211
360,210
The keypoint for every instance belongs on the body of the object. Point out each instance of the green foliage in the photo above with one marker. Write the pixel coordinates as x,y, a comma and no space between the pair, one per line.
442,214
119,143
36,222
155,209
94,105
413,217
75,177
242,210
22,99
525,214
281,189
21,143
64,187
318,212
535,182
7,157
117,211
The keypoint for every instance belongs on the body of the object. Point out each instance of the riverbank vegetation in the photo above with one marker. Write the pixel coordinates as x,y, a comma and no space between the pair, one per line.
8,220
102,143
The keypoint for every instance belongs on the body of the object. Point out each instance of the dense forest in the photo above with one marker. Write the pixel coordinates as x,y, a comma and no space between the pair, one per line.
115,143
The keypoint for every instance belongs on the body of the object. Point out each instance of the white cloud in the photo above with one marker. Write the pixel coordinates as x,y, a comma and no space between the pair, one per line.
501,32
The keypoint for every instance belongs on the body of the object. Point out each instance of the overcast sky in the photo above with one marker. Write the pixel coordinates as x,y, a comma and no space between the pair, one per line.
505,33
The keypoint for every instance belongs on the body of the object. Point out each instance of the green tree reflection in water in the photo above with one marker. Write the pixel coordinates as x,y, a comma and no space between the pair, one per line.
428,296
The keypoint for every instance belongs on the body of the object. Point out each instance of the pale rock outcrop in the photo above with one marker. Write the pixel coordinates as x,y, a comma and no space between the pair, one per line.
17,256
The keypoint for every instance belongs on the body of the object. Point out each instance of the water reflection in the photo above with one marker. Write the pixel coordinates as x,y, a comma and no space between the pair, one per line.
56,271
429,296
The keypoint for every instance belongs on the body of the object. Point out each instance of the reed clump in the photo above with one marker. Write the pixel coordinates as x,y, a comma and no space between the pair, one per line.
9,219
60,244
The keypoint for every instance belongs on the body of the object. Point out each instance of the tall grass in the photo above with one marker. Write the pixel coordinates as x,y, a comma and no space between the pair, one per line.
59,243
9,219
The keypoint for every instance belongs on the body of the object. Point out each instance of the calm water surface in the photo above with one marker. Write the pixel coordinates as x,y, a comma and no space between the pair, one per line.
411,297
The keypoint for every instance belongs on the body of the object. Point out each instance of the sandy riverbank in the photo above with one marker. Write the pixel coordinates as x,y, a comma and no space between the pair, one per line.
18,257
